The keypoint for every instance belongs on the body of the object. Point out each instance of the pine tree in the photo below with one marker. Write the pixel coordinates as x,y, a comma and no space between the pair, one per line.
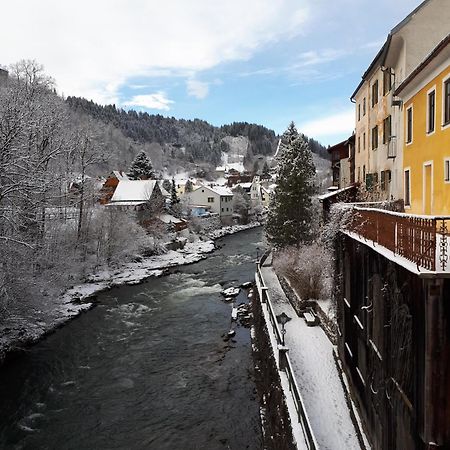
291,211
266,169
173,195
255,167
167,185
141,168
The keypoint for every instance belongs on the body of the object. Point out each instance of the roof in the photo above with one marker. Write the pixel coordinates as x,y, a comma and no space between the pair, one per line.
337,146
167,218
381,55
334,193
133,191
434,53
219,190
245,185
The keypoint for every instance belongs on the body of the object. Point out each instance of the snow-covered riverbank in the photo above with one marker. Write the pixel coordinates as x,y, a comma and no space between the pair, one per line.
34,320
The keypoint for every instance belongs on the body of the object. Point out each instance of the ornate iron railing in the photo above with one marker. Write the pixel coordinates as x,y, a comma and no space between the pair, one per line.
423,240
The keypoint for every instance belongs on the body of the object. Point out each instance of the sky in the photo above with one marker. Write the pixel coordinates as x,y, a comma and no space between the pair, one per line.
260,61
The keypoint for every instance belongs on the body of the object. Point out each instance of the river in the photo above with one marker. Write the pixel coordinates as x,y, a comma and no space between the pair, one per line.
145,369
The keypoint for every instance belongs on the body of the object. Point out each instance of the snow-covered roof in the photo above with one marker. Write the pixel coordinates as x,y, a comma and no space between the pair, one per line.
120,175
167,218
333,193
219,190
133,191
245,185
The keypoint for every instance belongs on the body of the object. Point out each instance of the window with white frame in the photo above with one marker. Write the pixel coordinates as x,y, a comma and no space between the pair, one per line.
407,187
409,125
447,170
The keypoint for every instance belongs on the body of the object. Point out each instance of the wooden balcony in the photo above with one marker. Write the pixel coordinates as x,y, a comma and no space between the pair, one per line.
422,240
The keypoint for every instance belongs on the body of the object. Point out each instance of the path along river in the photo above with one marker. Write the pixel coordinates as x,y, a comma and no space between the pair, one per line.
146,369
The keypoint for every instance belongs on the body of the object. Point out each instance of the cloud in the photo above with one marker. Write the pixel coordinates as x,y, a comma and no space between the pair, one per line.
198,89
340,123
92,48
158,100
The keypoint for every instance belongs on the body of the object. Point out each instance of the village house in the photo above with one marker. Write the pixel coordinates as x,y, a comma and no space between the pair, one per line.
378,114
394,271
217,199
343,162
137,195
109,186
425,95
261,190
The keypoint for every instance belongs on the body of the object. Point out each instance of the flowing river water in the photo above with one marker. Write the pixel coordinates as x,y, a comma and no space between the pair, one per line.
146,369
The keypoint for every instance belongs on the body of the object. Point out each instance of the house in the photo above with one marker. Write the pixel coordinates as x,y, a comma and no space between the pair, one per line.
174,223
342,162
394,271
261,190
378,114
137,195
218,199
109,186
425,95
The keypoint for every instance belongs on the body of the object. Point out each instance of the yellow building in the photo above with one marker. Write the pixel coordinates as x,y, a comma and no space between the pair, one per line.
426,147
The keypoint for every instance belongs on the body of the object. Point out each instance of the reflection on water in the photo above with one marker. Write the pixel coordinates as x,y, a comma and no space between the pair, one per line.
146,369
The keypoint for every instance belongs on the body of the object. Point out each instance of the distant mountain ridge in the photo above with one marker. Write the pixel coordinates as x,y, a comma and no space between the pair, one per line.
195,141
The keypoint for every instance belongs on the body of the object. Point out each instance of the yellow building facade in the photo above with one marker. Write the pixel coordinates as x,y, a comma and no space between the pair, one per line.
426,124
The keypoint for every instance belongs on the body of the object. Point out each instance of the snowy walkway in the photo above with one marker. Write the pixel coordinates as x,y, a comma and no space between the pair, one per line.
311,355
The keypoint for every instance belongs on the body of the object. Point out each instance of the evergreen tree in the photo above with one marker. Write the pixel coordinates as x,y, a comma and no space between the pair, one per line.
266,169
173,195
188,186
255,167
167,185
141,168
291,211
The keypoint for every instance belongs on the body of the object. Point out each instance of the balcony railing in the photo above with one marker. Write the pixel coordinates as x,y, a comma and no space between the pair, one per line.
422,240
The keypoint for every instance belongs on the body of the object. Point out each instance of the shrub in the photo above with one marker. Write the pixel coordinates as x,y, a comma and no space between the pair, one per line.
308,268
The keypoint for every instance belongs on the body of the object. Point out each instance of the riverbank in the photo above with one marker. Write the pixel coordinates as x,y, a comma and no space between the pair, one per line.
30,321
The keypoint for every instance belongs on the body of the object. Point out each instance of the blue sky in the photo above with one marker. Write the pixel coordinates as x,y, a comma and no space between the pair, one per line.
263,61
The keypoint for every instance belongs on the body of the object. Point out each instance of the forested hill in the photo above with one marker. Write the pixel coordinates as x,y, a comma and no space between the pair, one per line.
200,141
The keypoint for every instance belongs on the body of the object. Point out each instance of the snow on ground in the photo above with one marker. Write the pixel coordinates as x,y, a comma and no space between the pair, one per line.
311,355
216,234
29,321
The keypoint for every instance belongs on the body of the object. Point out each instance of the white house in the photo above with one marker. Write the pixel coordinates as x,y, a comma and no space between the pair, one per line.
217,199
137,195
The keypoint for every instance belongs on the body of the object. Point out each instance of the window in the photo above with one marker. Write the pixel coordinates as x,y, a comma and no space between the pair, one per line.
409,125
359,112
385,179
210,199
364,106
375,137
446,101
227,209
447,170
364,141
374,93
359,144
387,125
407,188
222,209
387,81
431,111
